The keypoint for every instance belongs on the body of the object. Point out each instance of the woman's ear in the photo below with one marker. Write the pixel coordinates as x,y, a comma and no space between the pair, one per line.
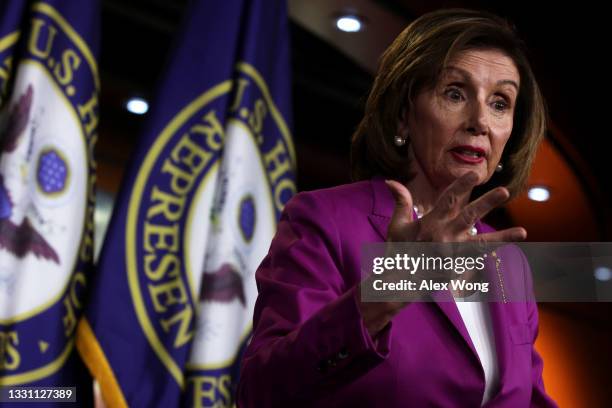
402,125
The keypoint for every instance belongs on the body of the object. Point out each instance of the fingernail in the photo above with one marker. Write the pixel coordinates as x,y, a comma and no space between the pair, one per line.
520,235
503,192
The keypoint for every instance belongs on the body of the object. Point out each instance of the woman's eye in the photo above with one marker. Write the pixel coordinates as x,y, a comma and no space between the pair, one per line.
500,105
454,94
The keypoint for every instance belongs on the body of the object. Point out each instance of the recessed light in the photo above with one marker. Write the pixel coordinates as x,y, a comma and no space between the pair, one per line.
603,273
137,106
538,193
349,23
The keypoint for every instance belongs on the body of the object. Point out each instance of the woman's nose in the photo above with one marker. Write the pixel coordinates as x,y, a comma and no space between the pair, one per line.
477,121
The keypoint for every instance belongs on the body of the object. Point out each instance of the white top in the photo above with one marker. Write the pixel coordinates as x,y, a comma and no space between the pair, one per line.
477,320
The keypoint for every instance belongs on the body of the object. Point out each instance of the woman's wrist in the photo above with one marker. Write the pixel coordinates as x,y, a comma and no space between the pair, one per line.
376,315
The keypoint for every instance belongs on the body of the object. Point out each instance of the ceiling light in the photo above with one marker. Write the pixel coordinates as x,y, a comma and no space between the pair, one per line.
137,106
349,23
603,273
539,193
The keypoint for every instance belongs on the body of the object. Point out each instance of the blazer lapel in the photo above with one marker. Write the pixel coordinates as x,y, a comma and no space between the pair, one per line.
502,345
382,210
443,299
382,206
497,310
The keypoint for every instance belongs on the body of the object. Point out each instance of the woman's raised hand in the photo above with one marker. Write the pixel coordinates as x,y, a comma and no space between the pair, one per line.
450,219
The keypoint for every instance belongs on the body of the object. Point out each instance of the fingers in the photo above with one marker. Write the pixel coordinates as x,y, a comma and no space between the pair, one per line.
478,208
449,200
514,234
448,221
403,201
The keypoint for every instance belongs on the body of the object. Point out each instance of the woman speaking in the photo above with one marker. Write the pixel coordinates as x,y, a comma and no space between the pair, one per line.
450,130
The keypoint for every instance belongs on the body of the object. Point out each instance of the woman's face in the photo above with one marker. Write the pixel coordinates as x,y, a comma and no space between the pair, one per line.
463,123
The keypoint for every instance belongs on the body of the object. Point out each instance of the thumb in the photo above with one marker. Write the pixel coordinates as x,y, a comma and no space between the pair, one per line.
403,201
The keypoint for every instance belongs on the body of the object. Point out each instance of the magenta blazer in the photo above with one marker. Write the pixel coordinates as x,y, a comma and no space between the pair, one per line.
310,346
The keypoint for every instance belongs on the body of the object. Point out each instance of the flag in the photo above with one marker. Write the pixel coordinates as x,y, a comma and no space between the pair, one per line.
48,122
171,307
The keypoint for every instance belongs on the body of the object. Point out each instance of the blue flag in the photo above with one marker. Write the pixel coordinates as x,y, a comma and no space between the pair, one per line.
171,307
48,123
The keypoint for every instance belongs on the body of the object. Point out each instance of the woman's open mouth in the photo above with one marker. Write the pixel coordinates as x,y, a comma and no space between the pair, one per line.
468,154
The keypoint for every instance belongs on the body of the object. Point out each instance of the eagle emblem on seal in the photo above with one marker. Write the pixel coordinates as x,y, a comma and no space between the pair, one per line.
17,234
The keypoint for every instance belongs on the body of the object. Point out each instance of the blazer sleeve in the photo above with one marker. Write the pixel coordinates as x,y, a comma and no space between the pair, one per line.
539,398
308,335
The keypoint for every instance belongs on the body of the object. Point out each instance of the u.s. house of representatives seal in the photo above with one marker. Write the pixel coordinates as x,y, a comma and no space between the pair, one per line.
202,215
47,127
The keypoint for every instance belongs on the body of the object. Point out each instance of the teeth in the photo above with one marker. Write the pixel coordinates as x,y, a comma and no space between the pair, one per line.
469,153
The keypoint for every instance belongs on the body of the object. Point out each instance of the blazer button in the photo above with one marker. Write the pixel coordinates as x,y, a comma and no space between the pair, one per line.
342,354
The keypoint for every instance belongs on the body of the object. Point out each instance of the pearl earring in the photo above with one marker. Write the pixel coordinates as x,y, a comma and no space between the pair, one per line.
499,167
399,141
